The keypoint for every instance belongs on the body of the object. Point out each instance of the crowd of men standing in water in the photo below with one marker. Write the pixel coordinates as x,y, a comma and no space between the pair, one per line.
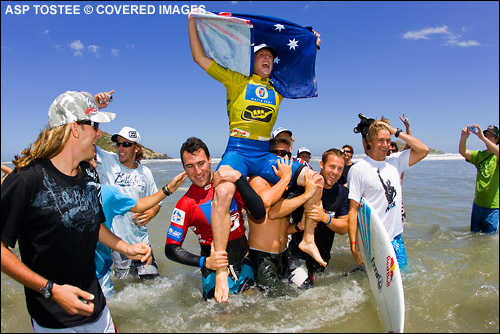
53,203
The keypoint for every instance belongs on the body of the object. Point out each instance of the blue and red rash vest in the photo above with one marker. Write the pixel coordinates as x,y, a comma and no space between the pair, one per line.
193,210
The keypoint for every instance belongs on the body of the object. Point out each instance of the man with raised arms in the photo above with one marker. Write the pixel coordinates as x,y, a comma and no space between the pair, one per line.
248,146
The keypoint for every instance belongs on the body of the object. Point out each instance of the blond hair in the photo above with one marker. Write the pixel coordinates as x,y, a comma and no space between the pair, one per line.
49,143
375,127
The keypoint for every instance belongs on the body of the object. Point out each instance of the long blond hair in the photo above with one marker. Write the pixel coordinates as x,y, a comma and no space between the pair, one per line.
49,143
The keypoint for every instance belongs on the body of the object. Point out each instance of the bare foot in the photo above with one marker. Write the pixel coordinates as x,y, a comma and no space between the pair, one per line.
312,249
221,285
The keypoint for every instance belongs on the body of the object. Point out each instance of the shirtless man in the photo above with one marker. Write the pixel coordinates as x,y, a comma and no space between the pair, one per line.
248,145
268,240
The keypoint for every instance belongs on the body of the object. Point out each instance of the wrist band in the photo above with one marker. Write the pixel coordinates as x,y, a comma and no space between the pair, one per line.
202,261
353,242
166,191
329,221
398,131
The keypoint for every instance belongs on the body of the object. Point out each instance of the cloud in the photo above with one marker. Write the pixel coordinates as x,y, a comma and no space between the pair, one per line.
77,47
452,39
424,33
115,52
129,46
463,44
94,49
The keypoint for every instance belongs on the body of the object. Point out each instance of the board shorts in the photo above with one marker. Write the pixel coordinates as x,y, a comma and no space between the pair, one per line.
125,267
483,220
252,157
240,278
400,250
107,285
271,269
104,324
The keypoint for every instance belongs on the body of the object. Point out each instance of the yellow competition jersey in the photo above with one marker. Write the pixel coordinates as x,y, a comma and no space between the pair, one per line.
252,103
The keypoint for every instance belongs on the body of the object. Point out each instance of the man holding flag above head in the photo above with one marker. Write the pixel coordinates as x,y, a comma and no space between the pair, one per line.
256,80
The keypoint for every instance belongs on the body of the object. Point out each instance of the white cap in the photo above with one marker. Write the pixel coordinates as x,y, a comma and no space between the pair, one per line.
129,134
265,46
303,149
280,130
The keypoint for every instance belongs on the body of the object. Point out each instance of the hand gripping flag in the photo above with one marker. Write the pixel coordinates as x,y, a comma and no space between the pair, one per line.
229,40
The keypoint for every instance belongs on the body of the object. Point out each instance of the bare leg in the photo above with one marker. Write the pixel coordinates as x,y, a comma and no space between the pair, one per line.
221,227
307,244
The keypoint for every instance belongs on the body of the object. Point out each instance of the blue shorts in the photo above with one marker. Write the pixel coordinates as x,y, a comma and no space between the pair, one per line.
243,281
483,220
400,250
252,157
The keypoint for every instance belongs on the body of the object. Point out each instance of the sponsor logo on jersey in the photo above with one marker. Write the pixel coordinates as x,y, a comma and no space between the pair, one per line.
261,94
240,133
178,217
235,215
258,114
390,267
175,233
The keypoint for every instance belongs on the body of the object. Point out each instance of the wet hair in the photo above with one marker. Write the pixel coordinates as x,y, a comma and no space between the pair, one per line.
49,143
193,144
333,151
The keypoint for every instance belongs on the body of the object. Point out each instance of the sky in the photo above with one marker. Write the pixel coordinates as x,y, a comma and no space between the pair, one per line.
435,62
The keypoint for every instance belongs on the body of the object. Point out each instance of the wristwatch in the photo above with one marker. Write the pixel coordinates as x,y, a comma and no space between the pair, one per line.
47,290
397,132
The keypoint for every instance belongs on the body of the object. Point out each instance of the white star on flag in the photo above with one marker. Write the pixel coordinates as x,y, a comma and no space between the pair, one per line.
293,44
279,27
276,60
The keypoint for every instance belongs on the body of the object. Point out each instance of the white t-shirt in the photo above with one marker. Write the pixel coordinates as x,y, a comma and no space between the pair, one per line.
136,183
380,183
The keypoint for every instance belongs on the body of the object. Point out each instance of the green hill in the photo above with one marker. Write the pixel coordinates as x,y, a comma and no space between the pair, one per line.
402,144
106,144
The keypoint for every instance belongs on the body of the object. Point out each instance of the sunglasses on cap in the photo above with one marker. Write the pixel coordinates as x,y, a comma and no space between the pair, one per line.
124,144
282,153
93,124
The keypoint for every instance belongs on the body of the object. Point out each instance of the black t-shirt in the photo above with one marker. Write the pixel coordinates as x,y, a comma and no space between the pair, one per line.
343,177
56,220
323,236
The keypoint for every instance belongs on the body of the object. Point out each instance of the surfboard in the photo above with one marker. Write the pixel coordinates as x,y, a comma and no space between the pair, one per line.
382,268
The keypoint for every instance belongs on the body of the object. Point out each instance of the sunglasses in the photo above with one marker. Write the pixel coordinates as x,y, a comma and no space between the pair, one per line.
93,124
282,153
125,144
347,151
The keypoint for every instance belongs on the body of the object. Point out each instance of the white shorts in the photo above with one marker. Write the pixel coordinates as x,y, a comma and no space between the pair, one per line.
102,325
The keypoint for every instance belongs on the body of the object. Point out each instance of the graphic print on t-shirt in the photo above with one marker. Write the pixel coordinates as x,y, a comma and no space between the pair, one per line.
390,192
73,203
129,180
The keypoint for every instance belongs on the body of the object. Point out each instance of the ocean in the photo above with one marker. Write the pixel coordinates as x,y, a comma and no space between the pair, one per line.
450,285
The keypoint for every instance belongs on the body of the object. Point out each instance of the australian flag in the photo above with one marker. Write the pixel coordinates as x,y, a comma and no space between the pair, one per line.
293,74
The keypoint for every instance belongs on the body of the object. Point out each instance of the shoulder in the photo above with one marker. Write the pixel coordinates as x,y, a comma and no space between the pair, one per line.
259,184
